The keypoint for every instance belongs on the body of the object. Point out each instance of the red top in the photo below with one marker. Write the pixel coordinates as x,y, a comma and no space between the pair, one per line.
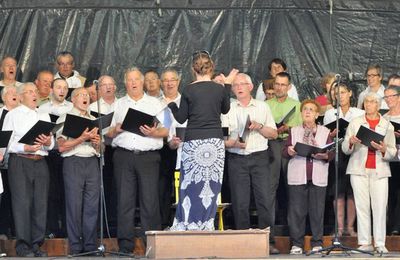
371,158
322,100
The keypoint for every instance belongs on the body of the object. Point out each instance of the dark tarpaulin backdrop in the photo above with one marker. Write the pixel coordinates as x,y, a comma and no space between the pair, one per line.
113,35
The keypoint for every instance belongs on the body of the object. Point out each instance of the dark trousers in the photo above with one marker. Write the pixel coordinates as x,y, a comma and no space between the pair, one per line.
110,190
29,186
167,169
136,174
56,207
278,175
246,172
6,217
306,199
82,193
394,198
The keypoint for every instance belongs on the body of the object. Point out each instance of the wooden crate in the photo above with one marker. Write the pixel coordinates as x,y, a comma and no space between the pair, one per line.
252,243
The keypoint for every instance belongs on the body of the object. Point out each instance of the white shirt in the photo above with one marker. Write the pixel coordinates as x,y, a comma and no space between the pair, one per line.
380,92
20,120
105,109
84,149
172,131
131,141
258,111
56,109
330,115
73,82
292,92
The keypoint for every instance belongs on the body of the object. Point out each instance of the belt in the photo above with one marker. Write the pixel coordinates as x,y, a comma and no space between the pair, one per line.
136,152
35,157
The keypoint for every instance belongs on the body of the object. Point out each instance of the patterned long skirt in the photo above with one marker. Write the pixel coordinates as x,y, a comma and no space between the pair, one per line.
200,183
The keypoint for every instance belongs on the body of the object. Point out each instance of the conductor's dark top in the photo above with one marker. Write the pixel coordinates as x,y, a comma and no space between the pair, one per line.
202,104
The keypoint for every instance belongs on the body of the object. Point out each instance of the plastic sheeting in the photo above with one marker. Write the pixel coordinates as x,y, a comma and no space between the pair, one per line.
111,36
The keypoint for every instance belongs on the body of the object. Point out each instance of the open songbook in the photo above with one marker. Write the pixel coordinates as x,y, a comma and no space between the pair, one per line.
41,127
367,135
75,125
134,119
306,150
286,117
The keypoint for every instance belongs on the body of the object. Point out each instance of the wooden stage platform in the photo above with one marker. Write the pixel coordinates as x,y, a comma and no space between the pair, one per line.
59,247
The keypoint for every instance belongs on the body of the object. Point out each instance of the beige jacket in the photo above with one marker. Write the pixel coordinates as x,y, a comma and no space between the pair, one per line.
359,152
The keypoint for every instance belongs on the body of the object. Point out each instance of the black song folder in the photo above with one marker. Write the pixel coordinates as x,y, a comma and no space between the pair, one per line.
367,135
4,138
306,150
134,119
396,128
75,125
286,117
41,127
245,132
343,124
53,118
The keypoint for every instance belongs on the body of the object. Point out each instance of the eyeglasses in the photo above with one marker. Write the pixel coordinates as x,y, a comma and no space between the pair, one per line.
372,75
197,53
280,85
390,96
241,84
82,95
67,64
169,81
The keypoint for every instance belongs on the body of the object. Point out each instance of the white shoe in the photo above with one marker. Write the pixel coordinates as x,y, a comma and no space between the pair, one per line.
296,250
365,248
316,250
381,250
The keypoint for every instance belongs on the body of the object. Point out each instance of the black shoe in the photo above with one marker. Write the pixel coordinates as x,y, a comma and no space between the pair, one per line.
40,253
24,252
273,250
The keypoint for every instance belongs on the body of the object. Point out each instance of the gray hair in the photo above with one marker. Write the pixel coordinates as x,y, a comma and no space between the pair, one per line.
374,96
21,88
103,77
171,71
246,77
5,90
131,70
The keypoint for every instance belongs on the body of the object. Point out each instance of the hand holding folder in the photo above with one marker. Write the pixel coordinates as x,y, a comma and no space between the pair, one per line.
134,119
40,128
306,150
74,125
367,135
245,130
343,124
286,117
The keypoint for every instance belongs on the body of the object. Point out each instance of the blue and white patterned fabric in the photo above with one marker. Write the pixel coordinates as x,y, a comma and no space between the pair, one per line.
200,183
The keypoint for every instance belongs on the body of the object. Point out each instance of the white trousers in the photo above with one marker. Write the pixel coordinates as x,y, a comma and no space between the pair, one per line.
370,193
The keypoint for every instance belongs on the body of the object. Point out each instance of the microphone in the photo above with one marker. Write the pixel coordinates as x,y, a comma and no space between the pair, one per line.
96,82
337,80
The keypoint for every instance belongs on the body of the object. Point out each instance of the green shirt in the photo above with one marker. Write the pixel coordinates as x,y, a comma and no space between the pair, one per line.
280,109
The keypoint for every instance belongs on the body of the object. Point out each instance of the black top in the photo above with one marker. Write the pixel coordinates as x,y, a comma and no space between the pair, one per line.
202,104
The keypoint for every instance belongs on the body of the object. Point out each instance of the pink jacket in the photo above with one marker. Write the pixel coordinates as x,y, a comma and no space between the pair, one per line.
297,164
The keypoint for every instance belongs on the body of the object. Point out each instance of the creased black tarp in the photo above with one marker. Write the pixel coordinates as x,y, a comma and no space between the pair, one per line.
114,35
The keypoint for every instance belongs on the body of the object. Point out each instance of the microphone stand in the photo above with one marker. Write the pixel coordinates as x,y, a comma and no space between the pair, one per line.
101,249
336,244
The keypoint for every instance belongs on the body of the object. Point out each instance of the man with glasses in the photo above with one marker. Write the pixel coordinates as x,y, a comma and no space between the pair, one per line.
152,84
248,157
28,173
169,82
374,77
65,65
280,106
81,178
107,101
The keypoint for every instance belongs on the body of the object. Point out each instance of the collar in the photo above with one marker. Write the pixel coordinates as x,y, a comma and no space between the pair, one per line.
27,109
252,102
73,74
77,112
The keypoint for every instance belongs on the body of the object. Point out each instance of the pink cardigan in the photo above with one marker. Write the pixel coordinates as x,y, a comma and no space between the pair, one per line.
297,165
